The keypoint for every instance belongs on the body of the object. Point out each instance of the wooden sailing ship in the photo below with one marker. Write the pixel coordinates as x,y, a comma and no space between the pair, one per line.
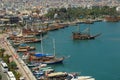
45,58
112,18
24,48
56,26
16,43
30,39
84,36
15,36
22,38
36,32
25,39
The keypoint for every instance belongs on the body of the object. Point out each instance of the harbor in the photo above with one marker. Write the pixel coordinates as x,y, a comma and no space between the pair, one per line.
90,57
50,60
88,54
59,40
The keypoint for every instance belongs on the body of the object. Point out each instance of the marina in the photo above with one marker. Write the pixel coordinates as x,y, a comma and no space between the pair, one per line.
59,39
86,51
89,57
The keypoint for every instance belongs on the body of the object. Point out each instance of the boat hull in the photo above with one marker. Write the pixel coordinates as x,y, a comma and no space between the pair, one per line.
54,62
48,60
79,36
34,41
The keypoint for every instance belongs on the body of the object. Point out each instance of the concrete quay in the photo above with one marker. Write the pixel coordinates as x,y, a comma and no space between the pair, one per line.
23,69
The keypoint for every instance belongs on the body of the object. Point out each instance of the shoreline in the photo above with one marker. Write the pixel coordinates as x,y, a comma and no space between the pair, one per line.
23,69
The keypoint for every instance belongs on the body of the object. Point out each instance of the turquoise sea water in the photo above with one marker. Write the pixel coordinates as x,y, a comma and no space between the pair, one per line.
99,58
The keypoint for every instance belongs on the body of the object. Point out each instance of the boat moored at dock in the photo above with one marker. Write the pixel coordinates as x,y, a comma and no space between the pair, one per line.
24,48
45,58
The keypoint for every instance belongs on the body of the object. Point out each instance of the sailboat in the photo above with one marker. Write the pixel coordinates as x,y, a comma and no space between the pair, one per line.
46,58
84,35
54,60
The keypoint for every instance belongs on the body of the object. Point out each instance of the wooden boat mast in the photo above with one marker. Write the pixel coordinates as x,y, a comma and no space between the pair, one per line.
41,44
54,46
89,29
86,30
26,25
78,29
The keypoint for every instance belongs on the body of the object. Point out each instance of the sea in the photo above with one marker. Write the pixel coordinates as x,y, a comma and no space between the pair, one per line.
99,58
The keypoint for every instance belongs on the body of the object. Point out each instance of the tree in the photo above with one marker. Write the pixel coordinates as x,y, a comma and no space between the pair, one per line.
73,13
6,58
2,50
13,65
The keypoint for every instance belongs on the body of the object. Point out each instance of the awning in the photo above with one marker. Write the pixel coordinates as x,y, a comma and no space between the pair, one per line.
41,55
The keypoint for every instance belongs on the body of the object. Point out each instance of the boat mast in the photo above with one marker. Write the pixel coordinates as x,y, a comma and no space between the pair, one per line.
54,46
89,29
26,25
41,44
78,29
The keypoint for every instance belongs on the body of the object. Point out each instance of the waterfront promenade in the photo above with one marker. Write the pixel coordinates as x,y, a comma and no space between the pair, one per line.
23,69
